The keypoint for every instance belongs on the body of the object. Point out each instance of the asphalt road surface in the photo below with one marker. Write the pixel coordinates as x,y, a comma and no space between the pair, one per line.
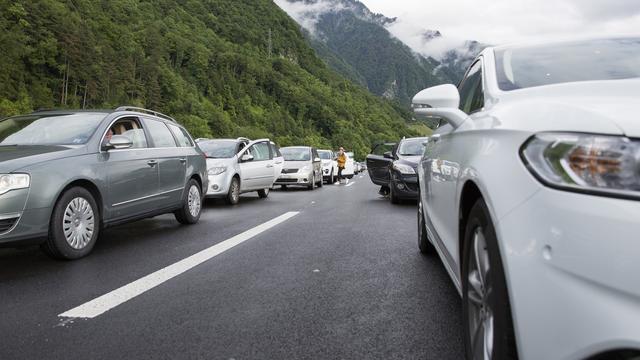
337,275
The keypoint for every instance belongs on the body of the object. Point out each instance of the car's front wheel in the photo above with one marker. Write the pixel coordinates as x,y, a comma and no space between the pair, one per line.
233,196
488,332
75,225
331,179
312,184
191,208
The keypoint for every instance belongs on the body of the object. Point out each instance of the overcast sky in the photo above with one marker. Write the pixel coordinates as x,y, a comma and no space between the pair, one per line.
500,21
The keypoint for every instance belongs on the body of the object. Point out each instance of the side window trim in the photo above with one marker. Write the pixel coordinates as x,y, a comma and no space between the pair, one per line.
479,61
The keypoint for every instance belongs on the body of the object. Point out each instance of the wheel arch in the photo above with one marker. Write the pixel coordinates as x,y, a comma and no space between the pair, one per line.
87,185
468,196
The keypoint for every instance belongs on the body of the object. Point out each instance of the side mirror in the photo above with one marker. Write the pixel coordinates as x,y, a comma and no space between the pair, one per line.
246,157
119,142
440,101
388,155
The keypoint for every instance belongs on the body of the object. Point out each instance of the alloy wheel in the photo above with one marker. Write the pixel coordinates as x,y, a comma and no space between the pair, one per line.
78,223
194,200
480,311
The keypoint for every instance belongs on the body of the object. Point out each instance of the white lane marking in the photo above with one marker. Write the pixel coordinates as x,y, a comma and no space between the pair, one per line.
127,292
351,183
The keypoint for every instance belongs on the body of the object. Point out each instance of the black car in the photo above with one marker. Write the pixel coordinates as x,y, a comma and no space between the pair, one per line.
393,167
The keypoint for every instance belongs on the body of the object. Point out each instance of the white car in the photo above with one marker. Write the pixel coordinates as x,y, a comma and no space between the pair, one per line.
237,166
529,192
349,167
302,167
329,166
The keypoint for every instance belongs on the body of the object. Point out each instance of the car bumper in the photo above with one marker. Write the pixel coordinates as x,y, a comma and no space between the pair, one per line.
572,265
219,185
294,179
404,186
20,225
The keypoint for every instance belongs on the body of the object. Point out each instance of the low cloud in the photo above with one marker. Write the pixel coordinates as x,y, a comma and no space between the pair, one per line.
308,14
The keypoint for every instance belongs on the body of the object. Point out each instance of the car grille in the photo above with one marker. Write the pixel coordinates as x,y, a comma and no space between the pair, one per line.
289,171
7,224
412,186
287,180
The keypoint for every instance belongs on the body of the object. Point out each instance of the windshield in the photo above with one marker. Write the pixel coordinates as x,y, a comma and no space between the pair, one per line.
296,154
218,149
605,59
411,147
62,129
349,155
324,155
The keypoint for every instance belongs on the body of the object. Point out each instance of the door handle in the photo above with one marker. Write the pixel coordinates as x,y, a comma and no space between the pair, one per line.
152,163
183,160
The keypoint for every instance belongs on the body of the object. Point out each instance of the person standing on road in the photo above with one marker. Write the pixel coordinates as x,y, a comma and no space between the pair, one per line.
342,161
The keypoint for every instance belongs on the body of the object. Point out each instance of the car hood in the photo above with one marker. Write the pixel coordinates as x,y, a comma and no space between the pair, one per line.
212,162
327,162
409,160
13,158
606,107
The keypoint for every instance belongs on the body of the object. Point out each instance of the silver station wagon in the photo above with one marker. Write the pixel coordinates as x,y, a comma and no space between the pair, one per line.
65,175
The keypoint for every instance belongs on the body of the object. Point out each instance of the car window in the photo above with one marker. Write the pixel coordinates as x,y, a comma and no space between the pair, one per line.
325,154
184,140
129,127
160,134
275,150
315,153
260,151
380,149
411,147
471,93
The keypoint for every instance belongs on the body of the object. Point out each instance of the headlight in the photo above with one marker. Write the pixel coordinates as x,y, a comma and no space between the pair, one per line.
305,168
585,162
403,168
217,170
10,182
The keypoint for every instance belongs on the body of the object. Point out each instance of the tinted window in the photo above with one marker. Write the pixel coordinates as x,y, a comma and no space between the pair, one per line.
603,59
471,95
296,154
260,151
160,134
66,129
380,149
219,149
181,135
411,147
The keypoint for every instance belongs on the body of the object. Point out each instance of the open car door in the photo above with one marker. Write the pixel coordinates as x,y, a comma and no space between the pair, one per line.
378,162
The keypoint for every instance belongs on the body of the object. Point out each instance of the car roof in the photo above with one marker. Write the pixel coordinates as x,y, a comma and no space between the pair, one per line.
122,109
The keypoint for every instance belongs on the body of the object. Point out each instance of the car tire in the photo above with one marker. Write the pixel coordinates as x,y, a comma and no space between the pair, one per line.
424,244
233,195
321,181
312,185
191,208
264,193
331,179
393,196
66,240
485,298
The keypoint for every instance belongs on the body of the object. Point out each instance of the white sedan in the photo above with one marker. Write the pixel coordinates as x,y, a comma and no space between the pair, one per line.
529,193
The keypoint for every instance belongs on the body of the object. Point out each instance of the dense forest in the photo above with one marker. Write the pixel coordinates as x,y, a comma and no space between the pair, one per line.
223,68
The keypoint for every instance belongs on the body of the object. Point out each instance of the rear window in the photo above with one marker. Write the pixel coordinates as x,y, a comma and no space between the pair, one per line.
160,134
603,59
184,140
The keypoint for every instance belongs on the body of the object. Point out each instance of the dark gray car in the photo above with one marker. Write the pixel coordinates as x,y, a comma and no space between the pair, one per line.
65,175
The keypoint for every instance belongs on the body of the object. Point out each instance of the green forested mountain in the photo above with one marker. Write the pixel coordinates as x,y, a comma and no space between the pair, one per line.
221,67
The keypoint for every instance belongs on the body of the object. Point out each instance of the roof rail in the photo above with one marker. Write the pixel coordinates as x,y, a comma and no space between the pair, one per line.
146,111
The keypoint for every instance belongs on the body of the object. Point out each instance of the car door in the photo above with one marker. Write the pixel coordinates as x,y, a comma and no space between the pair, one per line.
256,171
171,160
278,161
445,149
316,162
378,162
132,175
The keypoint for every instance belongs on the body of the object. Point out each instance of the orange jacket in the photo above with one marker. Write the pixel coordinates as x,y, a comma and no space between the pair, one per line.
342,160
